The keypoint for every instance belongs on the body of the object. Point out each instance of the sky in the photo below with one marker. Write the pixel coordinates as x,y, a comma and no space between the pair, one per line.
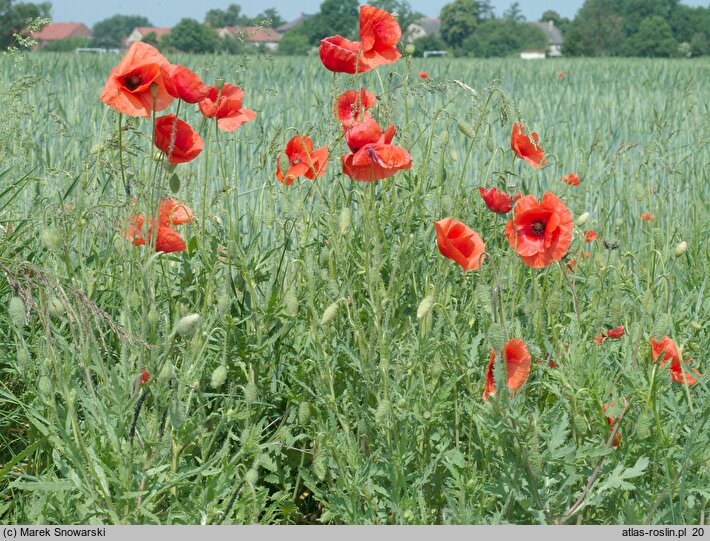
169,12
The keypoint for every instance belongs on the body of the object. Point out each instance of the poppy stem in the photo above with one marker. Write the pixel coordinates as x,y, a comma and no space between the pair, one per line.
126,185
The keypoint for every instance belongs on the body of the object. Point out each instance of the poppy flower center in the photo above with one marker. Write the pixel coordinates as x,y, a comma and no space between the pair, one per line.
132,82
538,228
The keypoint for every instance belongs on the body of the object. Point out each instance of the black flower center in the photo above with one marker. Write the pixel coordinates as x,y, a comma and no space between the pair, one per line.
538,228
132,82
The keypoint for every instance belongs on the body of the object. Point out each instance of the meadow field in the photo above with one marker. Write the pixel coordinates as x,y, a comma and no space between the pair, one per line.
311,357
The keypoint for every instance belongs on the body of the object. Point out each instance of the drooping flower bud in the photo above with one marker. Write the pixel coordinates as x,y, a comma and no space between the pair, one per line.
681,248
582,219
188,325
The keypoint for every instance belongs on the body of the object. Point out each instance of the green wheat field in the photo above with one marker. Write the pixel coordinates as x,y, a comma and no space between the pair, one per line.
337,369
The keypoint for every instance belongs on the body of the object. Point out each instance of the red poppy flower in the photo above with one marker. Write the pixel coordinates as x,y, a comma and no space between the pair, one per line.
423,75
616,332
351,103
144,377
562,75
182,83
647,217
379,34
552,364
128,86
517,360
459,242
526,149
172,212
540,232
590,235
187,143
571,179
599,338
226,105
373,157
302,160
572,265
670,353
498,202
611,419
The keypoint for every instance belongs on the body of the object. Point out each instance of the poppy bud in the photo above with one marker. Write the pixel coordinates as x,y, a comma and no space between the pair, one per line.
55,307
16,311
383,411
496,336
582,219
320,466
44,386
659,240
219,83
218,376
409,48
425,306
639,192
697,326
304,413
611,244
23,358
681,248
329,313
345,218
188,325
662,327
490,143
444,139
224,303
643,426
250,392
466,129
619,222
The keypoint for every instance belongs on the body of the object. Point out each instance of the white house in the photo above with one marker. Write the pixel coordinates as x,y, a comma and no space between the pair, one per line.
532,54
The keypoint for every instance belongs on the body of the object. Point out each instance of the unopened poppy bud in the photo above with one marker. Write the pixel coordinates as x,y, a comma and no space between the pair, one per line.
218,376
582,219
697,326
345,218
320,466
496,336
188,325
329,313
154,88
152,317
23,358
611,244
219,83
410,48
383,411
167,371
639,193
490,142
291,303
55,307
466,129
16,311
619,222
444,139
304,413
44,386
662,327
250,392
425,306
681,248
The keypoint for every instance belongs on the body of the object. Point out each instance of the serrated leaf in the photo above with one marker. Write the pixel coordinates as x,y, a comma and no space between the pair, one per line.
559,433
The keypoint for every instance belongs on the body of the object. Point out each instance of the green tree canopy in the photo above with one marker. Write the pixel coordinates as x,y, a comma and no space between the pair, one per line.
14,17
232,16
502,37
401,9
654,38
458,21
597,30
269,15
191,36
294,43
111,32
514,13
428,43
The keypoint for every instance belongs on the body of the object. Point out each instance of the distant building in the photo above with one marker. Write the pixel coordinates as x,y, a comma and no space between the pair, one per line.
428,26
532,54
59,31
139,33
553,35
253,35
293,24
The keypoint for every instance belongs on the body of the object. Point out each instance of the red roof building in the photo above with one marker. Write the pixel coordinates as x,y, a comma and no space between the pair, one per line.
140,32
252,34
58,31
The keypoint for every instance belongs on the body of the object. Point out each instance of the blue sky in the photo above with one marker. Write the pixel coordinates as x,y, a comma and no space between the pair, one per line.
169,12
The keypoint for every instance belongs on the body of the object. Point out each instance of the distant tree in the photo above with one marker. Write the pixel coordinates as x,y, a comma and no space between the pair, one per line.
514,13
401,9
271,15
65,45
151,38
596,30
14,17
428,43
336,17
502,37
484,10
654,38
294,43
191,36
458,21
232,16
111,32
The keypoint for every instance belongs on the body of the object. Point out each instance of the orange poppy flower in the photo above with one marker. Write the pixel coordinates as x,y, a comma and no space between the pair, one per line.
526,149
616,332
611,419
187,143
373,157
379,34
670,353
351,104
226,105
498,202
590,235
517,360
648,217
423,75
540,232
460,243
172,212
128,86
571,179
302,160
180,82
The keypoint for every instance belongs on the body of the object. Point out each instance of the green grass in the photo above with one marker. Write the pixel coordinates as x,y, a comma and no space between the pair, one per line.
374,416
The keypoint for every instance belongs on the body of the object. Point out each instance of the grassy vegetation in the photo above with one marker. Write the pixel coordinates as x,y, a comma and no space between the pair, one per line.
312,391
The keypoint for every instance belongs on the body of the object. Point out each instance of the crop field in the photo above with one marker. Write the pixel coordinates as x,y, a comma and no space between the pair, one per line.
313,353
